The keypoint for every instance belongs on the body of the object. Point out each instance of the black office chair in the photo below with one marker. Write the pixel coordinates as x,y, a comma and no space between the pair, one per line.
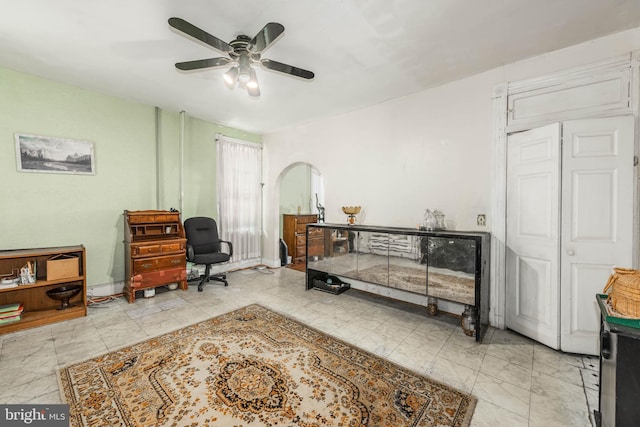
204,247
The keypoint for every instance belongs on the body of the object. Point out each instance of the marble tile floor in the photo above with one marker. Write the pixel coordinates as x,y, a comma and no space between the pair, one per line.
517,381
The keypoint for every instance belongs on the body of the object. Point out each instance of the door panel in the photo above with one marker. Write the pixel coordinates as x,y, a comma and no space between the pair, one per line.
532,299
533,197
593,217
534,215
581,317
597,221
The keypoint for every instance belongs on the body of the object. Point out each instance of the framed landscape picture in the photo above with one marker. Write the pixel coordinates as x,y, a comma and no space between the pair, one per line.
47,154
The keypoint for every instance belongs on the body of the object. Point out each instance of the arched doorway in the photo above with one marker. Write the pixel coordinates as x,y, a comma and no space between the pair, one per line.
301,190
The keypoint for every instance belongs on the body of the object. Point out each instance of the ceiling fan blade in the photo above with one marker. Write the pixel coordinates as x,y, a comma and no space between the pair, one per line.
195,32
287,69
265,37
202,63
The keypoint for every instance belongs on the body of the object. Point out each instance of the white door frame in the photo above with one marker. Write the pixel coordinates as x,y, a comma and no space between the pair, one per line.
506,121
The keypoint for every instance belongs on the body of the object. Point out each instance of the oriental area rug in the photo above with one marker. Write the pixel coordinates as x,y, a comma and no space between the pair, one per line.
254,367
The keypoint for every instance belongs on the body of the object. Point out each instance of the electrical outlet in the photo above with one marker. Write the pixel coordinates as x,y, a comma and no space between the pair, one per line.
482,220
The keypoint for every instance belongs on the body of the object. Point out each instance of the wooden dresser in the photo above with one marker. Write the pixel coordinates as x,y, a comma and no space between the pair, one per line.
294,234
155,251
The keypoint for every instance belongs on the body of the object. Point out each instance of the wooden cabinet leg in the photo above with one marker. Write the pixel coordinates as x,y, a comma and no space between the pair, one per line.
129,294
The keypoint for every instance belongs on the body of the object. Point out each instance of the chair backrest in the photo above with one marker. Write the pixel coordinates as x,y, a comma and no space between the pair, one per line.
202,235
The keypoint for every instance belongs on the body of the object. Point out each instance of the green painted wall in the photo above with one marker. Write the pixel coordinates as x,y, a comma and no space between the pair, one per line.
42,209
200,165
295,191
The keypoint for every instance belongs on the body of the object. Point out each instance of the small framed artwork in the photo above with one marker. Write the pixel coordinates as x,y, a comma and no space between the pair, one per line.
35,153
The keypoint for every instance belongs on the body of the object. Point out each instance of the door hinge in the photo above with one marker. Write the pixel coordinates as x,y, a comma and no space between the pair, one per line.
635,160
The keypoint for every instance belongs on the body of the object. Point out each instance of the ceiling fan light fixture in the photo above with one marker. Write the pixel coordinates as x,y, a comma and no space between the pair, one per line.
241,54
244,75
252,85
244,69
231,77
253,80
253,91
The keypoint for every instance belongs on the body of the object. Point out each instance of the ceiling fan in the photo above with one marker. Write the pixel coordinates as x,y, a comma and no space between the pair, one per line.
243,52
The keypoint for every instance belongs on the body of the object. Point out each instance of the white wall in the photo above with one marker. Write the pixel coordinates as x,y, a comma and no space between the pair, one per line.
398,158
432,149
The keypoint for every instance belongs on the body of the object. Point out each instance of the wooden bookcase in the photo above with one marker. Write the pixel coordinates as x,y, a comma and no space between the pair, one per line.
39,309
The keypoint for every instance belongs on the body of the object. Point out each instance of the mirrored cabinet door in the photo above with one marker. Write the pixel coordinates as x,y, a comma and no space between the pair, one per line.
315,249
334,251
373,258
451,266
341,248
405,271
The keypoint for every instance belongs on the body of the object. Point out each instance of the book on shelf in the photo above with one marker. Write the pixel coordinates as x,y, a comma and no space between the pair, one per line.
10,319
7,316
10,307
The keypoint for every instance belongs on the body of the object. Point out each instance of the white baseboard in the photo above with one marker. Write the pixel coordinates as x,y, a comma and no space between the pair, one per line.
105,289
108,289
272,262
222,268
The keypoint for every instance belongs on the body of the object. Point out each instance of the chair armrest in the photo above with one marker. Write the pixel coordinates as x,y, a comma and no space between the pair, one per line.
230,246
190,253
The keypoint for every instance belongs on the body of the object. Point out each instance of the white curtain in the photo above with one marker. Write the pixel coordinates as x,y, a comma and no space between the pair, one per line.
239,177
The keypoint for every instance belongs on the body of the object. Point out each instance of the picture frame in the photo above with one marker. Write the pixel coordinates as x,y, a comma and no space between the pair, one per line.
46,154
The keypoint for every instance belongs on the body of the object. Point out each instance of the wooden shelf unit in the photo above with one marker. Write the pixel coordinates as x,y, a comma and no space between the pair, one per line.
39,309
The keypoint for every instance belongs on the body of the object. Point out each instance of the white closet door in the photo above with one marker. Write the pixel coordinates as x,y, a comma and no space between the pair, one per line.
597,221
533,206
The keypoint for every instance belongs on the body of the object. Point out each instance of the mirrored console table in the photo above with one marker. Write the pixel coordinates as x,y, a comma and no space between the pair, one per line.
409,264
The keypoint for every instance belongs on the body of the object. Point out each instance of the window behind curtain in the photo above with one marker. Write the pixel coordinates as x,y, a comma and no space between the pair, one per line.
239,177
317,190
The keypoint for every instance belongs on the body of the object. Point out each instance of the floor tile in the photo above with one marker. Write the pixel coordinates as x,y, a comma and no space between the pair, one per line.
489,415
451,373
519,354
468,356
517,382
506,371
503,394
556,402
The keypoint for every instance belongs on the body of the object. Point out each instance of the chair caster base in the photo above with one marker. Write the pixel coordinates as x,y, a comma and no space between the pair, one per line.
206,279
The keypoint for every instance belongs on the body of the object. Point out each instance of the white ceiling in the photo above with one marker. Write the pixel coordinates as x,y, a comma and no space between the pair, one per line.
362,51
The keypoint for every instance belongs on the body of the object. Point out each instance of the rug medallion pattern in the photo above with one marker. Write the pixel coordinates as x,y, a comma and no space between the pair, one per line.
254,367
